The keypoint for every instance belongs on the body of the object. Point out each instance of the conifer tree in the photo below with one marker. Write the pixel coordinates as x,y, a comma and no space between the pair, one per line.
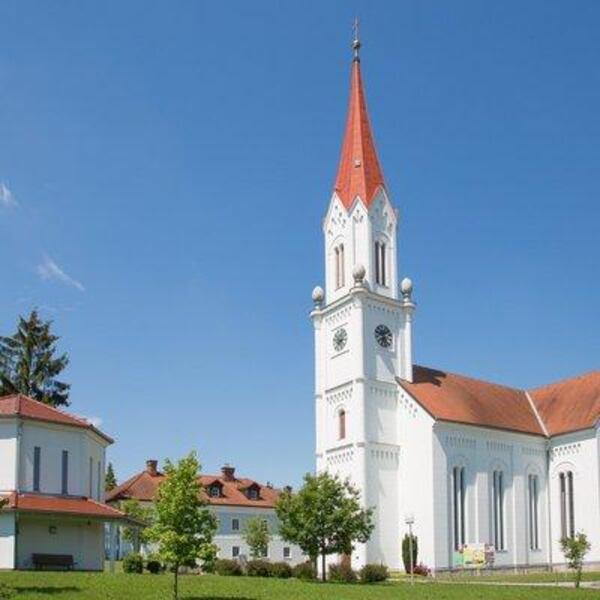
29,363
110,480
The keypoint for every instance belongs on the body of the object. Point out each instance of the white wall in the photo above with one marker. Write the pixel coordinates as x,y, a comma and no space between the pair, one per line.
80,538
52,440
8,455
481,451
7,540
577,452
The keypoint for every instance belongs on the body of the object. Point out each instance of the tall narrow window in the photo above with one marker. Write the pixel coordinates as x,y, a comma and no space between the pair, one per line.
567,504
65,472
383,273
571,504
91,482
342,266
534,542
37,455
342,424
458,505
339,259
498,509
99,481
377,263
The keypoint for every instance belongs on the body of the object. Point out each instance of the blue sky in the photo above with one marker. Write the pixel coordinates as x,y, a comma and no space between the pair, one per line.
165,167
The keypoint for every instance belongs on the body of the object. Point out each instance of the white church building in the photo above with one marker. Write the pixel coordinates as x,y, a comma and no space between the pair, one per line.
489,474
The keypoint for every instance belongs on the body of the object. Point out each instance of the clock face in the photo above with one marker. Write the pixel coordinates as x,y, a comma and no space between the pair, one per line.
384,336
340,337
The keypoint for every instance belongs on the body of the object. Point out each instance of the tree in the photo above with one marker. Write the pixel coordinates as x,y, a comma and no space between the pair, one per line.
324,517
29,364
110,480
137,535
183,525
406,552
575,548
257,536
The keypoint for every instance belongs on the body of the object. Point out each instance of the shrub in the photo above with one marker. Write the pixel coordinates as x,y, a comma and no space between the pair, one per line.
153,565
422,570
6,592
373,573
342,573
208,558
305,571
406,552
133,563
258,568
281,570
225,566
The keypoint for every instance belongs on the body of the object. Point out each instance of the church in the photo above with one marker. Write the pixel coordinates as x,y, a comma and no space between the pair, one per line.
484,474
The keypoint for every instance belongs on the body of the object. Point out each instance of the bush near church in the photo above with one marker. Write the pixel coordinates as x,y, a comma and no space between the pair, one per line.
373,573
258,568
342,573
226,566
406,552
305,571
133,563
282,570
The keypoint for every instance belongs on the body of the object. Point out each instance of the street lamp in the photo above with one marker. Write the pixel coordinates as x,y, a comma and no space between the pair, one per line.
409,519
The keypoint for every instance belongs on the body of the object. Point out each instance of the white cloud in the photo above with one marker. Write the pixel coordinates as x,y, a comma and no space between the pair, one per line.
94,421
7,198
49,270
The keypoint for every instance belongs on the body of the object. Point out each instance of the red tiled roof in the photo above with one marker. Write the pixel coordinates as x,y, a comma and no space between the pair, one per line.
359,173
569,405
460,399
64,505
144,486
18,405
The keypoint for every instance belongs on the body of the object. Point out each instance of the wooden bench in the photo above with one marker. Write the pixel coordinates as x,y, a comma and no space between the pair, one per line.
53,560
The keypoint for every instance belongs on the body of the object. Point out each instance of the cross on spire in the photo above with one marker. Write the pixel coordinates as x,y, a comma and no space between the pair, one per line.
356,41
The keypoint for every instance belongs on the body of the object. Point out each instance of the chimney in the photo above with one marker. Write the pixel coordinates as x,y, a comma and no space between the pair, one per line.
228,472
152,467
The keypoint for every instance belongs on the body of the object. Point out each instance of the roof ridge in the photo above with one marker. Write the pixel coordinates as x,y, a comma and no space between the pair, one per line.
564,380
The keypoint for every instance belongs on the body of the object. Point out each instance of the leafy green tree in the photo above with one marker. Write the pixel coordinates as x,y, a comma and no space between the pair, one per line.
110,479
257,536
324,517
137,535
29,364
575,548
183,524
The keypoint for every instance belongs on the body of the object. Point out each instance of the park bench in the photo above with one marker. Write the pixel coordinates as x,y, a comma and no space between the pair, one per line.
53,560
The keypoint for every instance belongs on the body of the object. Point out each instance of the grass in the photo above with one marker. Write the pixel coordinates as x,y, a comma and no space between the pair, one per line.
530,577
119,586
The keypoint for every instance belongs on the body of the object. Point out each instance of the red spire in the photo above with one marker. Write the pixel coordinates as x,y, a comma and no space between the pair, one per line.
359,173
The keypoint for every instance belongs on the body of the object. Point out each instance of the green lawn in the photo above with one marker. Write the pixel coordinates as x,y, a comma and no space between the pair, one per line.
531,577
88,586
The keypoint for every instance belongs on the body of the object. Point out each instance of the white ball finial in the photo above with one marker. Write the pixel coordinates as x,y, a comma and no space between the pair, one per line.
406,287
359,273
318,295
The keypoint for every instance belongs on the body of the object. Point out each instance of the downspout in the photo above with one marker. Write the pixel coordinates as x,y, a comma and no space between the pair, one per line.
17,489
549,503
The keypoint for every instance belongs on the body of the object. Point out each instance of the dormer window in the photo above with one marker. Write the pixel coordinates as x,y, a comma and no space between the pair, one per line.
215,491
253,492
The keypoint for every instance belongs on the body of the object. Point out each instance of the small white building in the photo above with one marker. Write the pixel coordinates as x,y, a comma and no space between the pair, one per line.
488,474
233,501
52,482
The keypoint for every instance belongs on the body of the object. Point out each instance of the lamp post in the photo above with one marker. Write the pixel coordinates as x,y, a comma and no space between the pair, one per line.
409,519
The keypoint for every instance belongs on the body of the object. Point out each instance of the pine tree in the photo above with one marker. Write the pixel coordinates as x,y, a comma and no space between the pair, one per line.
110,480
29,365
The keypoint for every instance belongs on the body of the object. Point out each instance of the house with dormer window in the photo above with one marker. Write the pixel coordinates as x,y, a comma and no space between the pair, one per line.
233,500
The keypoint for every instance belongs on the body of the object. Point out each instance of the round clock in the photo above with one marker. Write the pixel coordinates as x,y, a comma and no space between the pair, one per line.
340,337
383,335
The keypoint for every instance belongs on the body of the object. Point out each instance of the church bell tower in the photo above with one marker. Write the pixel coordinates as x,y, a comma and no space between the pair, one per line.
363,337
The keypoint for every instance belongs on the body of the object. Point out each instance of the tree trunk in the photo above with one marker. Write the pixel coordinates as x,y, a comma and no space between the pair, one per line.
176,582
323,565
578,577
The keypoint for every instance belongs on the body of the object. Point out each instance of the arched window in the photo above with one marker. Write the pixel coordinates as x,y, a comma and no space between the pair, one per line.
458,506
567,504
380,264
498,509
339,266
342,424
534,541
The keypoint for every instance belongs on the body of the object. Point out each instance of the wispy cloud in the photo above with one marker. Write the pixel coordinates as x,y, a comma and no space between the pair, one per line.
49,270
94,421
7,198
